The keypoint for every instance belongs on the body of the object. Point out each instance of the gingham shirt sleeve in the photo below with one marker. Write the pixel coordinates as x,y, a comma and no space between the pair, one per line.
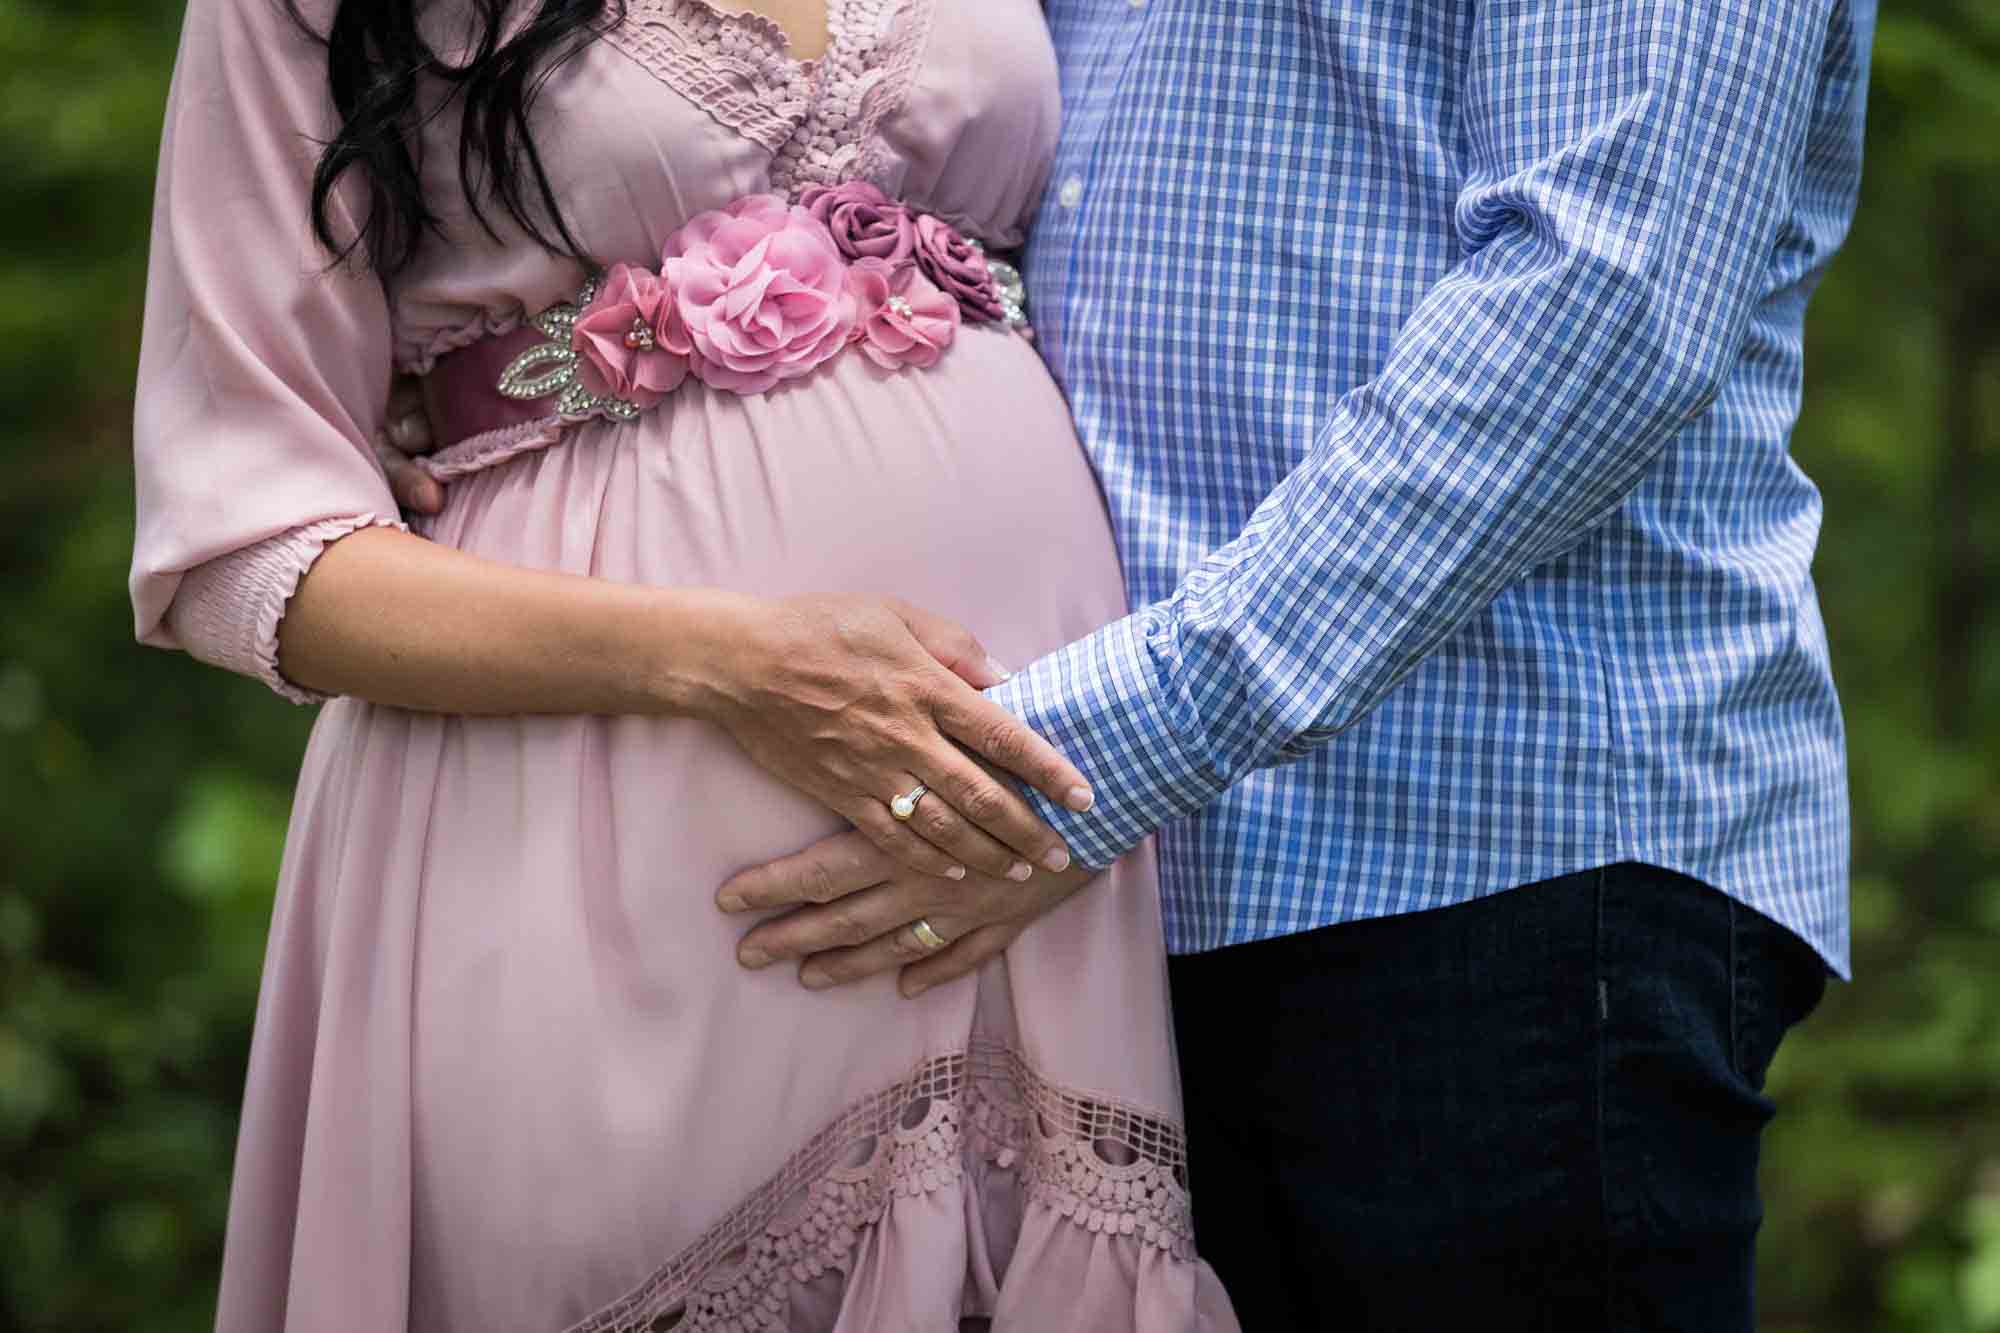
1628,166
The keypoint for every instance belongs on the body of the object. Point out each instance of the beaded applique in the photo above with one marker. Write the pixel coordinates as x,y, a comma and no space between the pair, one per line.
551,367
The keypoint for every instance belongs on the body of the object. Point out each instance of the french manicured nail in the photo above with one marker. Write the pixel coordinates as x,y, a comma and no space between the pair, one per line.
998,670
1020,871
752,957
956,872
1057,860
814,979
1080,799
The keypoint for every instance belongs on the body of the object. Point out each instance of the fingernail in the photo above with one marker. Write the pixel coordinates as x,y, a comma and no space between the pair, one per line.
1020,871
814,979
1080,799
998,670
752,957
1057,860
729,902
956,872
912,989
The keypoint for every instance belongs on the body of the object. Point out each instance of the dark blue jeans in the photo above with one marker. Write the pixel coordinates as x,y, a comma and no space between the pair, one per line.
1540,1110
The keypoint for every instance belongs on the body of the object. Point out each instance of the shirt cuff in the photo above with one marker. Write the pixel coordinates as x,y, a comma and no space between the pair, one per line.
1106,703
227,610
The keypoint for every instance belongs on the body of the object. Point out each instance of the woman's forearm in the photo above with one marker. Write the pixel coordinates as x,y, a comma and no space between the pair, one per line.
846,698
398,620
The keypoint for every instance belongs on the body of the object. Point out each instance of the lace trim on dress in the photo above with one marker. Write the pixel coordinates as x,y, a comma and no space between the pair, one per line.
1108,1167
735,66
902,56
875,48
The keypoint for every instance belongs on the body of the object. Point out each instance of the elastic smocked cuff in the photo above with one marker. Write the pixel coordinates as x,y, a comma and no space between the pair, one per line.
227,610
1104,703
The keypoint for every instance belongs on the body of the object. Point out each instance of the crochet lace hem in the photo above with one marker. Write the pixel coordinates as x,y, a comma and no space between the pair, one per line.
1108,1167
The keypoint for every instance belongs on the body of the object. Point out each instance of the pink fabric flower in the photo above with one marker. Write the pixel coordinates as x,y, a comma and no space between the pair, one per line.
957,266
864,222
630,341
903,319
763,291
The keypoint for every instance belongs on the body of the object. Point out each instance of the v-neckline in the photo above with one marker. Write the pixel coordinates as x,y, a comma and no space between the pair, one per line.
781,36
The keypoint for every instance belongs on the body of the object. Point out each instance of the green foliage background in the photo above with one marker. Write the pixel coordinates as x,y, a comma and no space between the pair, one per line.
143,798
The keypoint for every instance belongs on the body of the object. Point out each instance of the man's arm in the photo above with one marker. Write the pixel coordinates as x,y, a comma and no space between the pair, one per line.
1629,166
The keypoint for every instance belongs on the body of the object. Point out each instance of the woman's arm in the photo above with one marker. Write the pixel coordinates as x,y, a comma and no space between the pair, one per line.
399,620
849,699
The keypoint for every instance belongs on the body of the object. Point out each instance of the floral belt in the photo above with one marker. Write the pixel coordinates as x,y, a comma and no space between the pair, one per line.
746,297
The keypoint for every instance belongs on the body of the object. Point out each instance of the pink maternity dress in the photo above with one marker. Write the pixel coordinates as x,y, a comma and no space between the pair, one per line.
507,1074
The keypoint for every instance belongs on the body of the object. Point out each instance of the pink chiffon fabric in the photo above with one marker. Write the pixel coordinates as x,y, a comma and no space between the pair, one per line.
507,1073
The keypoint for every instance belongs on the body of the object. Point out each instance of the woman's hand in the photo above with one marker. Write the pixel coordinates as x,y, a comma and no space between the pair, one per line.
856,700
405,438
860,909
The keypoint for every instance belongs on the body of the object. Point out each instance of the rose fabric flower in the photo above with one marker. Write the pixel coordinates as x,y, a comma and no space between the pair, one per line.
903,319
630,340
957,266
762,290
864,222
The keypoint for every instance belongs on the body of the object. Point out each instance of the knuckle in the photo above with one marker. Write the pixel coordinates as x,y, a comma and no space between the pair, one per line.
936,820
816,882
984,805
1000,738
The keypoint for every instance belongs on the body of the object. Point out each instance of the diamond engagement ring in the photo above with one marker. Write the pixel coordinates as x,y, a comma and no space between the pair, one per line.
906,805
930,939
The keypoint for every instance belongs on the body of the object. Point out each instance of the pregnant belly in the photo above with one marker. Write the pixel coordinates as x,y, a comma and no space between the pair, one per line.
578,1014
961,488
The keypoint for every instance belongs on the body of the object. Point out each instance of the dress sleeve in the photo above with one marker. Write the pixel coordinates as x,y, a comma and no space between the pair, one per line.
263,369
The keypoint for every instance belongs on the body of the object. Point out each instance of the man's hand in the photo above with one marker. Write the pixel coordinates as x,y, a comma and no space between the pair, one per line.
856,907
406,437
857,700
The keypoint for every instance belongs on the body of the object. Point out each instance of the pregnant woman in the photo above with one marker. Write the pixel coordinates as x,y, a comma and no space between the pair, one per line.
700,308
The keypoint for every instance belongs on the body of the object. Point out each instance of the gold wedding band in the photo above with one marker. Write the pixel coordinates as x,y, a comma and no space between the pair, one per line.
906,805
930,939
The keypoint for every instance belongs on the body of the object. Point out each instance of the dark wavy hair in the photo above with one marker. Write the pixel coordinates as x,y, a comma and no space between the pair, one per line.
376,64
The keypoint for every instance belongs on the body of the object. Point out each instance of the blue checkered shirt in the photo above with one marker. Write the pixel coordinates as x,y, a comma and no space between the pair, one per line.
1439,360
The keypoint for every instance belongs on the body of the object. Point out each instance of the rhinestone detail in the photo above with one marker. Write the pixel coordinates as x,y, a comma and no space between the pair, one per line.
551,367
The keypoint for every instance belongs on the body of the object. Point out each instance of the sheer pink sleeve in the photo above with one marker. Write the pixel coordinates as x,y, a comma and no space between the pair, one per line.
262,371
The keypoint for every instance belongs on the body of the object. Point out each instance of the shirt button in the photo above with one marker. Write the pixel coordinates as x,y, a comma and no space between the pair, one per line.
1071,193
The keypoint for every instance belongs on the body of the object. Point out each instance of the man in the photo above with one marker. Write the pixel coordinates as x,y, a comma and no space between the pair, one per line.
1438,362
